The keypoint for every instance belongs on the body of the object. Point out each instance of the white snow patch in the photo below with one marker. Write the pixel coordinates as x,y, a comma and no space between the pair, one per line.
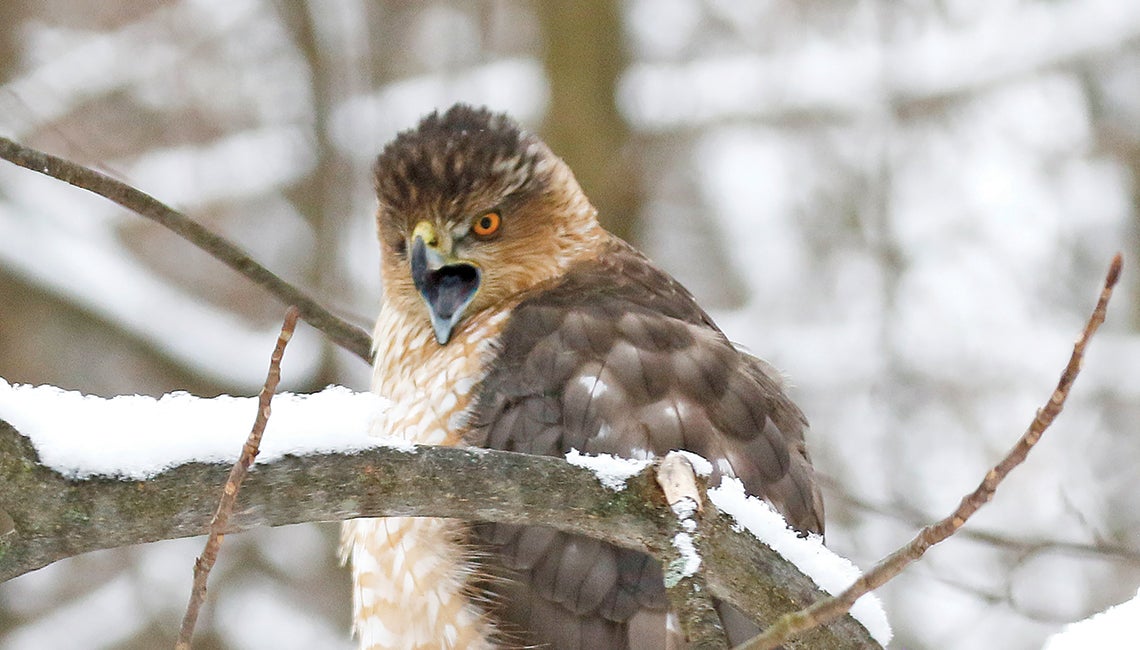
1115,627
690,560
701,466
611,471
831,572
135,437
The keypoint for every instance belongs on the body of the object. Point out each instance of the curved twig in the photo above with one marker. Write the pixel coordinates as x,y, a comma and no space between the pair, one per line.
829,608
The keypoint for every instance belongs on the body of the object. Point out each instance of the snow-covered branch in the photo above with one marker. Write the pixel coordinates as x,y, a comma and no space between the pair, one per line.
53,516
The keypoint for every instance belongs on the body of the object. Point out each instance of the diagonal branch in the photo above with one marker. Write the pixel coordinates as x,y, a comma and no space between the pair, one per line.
829,608
344,334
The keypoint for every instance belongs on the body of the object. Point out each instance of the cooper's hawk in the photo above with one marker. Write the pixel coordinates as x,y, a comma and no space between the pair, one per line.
512,320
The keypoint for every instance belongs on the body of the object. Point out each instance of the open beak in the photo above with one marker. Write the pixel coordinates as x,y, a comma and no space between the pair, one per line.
447,285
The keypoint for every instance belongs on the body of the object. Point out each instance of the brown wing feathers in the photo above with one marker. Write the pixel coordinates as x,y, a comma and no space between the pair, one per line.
598,364
618,358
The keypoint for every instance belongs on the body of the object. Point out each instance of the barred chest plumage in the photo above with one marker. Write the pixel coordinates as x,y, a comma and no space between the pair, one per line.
430,386
411,575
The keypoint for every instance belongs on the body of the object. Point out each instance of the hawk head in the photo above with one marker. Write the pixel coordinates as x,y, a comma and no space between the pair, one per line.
472,212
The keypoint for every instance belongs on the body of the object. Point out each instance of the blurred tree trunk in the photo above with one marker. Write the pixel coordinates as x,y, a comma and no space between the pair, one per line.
584,58
322,197
11,13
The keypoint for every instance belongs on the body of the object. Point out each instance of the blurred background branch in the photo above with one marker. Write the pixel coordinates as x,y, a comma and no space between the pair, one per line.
351,338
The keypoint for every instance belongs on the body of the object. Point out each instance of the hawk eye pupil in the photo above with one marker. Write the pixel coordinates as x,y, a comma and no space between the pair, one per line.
486,225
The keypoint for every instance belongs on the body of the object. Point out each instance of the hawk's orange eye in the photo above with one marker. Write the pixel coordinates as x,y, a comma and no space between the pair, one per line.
487,225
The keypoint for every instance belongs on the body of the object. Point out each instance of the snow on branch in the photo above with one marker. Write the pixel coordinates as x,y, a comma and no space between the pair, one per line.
831,572
133,437
319,464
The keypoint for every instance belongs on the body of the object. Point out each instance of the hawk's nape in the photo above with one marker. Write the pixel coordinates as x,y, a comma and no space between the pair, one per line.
512,320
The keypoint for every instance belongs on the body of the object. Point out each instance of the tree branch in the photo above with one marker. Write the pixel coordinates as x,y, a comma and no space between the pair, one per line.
827,609
54,517
339,331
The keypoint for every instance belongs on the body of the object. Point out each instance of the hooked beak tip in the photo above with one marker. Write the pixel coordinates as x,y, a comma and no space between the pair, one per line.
447,289
442,330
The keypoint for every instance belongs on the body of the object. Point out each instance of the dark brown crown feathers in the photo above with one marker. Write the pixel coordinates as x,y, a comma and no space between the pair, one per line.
465,151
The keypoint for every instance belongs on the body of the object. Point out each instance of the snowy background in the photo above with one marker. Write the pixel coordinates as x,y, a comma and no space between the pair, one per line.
908,207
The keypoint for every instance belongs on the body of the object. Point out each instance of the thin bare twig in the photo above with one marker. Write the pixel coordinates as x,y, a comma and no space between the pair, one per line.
829,609
237,475
344,334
